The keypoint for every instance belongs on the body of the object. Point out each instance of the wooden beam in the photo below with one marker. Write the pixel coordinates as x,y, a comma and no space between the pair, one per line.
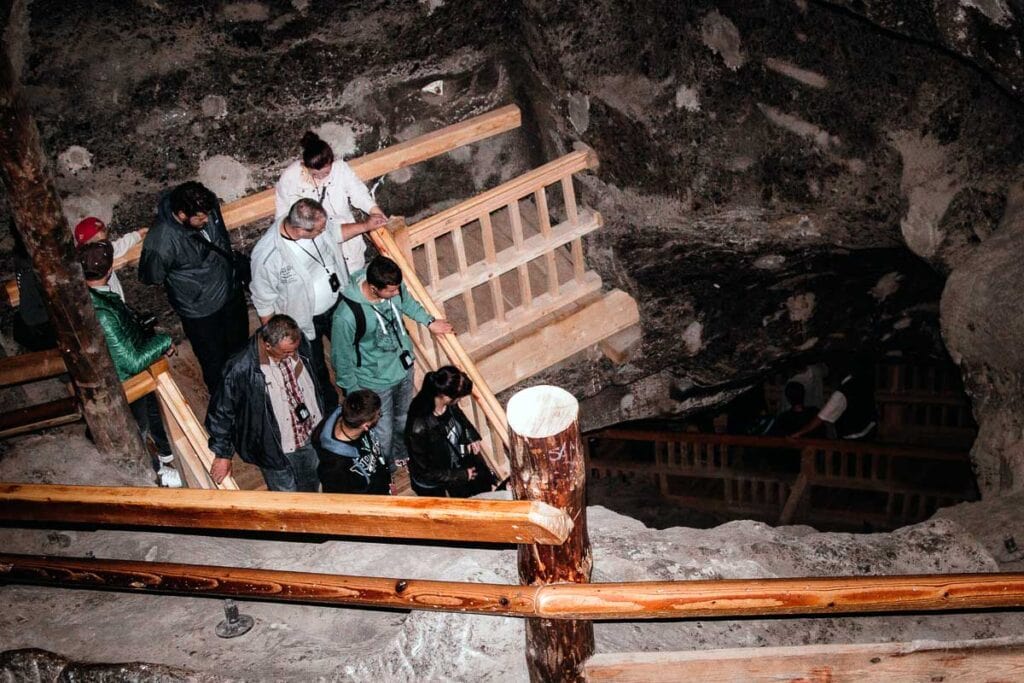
29,367
500,196
977,661
264,584
260,206
488,521
555,601
63,410
549,466
620,347
611,314
35,204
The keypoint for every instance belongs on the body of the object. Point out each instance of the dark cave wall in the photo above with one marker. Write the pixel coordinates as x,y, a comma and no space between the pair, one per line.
765,167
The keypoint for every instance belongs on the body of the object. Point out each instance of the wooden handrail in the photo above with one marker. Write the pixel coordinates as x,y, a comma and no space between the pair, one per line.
30,367
64,411
780,442
449,343
596,601
260,205
487,521
496,198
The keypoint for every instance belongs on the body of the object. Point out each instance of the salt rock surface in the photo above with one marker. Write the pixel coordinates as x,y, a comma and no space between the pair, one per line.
227,177
310,641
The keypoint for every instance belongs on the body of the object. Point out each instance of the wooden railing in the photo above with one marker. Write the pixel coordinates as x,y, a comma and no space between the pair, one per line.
496,264
774,478
539,528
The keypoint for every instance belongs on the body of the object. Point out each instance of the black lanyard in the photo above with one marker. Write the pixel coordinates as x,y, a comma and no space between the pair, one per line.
322,261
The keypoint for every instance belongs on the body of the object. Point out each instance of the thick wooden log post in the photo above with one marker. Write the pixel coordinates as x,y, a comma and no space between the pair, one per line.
33,199
548,466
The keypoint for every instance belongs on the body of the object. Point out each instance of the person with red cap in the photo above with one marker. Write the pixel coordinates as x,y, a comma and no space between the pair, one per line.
91,229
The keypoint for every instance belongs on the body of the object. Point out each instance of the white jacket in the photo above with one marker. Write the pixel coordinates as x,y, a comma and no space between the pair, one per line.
341,190
280,284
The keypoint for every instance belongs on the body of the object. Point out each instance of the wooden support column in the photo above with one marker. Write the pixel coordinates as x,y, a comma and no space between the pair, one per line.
40,220
549,466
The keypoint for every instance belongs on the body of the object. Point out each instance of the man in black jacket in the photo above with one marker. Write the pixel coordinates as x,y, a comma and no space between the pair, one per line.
266,409
188,251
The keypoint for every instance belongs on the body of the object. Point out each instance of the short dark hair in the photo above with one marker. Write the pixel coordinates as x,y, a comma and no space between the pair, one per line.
359,407
279,328
795,393
315,152
192,198
383,272
305,213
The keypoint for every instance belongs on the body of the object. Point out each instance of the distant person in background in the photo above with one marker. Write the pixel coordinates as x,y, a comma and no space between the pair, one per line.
331,182
188,251
132,348
92,229
445,449
812,378
32,327
850,411
351,459
797,416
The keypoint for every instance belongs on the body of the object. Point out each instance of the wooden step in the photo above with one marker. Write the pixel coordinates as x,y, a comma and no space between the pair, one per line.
613,313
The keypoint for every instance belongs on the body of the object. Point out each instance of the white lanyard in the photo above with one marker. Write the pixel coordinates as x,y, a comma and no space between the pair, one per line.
383,322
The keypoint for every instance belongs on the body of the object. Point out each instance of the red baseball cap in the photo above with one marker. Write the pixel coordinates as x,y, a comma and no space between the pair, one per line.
87,229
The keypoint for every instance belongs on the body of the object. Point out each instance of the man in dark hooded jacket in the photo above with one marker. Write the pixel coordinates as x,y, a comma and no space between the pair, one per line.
188,251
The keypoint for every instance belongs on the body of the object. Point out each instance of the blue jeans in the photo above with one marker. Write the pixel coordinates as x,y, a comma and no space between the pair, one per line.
394,411
300,475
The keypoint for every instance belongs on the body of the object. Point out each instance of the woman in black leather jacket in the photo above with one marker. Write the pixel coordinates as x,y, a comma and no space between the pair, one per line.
444,447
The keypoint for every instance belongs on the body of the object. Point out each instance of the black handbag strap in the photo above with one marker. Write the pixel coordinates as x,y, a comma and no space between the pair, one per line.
212,245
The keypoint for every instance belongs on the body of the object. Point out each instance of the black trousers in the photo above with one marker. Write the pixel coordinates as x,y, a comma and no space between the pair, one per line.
322,329
217,337
146,411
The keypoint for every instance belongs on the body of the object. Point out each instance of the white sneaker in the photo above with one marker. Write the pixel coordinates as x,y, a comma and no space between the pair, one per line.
169,477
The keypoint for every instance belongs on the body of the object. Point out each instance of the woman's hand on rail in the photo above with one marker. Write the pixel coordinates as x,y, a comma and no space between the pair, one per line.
476,447
470,473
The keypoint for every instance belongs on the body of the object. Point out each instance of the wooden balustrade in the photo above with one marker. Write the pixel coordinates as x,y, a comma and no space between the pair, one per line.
773,477
499,256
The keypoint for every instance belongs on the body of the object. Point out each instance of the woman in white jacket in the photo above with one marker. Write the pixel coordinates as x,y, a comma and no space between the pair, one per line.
318,175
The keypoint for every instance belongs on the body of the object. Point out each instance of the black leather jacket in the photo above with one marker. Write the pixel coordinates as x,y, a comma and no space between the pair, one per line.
198,279
430,462
241,419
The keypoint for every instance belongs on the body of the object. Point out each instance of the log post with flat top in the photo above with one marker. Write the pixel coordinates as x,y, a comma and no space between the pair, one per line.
32,196
548,465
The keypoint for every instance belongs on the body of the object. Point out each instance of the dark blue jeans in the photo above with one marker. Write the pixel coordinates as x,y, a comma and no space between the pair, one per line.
300,475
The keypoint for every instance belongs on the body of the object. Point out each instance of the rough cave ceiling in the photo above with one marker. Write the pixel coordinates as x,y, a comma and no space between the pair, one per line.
764,165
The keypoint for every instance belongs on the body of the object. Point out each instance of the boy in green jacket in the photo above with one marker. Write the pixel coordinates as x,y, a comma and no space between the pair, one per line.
132,348
370,348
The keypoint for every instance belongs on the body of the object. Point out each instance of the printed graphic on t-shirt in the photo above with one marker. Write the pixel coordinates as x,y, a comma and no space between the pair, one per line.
369,457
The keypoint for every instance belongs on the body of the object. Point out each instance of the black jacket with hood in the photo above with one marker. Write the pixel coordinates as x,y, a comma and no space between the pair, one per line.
199,280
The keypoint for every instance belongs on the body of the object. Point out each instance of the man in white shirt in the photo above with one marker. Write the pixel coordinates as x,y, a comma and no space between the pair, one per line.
331,182
298,270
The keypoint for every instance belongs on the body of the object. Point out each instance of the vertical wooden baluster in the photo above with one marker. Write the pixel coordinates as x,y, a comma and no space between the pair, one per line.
525,291
540,197
433,272
491,257
462,265
572,216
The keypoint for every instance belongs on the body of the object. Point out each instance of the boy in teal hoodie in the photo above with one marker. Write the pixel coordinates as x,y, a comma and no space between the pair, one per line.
370,348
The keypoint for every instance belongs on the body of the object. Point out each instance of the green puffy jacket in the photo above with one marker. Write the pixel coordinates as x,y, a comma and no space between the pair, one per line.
131,348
